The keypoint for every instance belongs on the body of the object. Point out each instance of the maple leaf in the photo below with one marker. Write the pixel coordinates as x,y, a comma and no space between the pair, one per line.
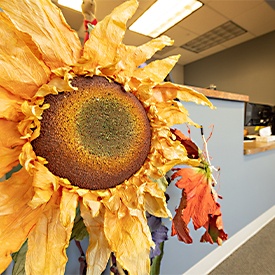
214,229
197,203
179,227
190,146
200,202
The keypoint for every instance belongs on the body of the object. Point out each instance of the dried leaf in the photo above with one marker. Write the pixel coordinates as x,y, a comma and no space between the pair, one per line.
179,227
201,206
214,229
200,202
79,231
19,259
191,148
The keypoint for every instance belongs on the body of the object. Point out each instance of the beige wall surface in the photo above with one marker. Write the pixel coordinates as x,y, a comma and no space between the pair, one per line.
248,68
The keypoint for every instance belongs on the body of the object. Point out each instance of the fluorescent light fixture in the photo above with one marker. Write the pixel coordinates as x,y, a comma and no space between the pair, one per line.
72,4
162,15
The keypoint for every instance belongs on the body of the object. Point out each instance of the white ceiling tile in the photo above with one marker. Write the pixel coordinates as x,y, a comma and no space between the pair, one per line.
135,39
185,56
233,8
180,35
258,20
202,20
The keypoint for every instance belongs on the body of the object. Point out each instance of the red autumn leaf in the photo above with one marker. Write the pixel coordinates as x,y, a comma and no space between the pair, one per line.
200,201
190,146
179,227
214,229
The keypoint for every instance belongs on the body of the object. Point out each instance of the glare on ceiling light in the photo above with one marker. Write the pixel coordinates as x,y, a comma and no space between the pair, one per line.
72,4
163,15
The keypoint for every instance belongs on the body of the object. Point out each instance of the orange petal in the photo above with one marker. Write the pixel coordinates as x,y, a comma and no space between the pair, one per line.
21,71
169,91
98,251
130,57
155,200
101,48
57,42
129,238
68,205
17,218
10,145
10,106
44,183
14,194
156,71
48,241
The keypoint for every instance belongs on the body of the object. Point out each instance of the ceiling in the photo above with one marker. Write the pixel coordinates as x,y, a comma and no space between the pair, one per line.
257,17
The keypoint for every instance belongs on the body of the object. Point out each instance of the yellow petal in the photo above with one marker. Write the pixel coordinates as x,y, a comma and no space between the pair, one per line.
173,113
130,57
169,91
57,42
48,241
101,48
98,251
130,239
155,200
21,71
91,202
17,218
69,201
44,183
10,145
156,71
10,106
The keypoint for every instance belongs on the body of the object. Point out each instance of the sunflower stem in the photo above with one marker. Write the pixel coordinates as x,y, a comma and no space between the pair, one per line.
81,259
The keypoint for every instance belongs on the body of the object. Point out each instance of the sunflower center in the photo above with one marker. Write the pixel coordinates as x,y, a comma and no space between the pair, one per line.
103,124
97,136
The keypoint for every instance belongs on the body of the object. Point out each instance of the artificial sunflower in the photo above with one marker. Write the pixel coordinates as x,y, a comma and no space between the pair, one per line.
89,129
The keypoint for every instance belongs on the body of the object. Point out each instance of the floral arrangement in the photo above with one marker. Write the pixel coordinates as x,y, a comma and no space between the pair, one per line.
91,134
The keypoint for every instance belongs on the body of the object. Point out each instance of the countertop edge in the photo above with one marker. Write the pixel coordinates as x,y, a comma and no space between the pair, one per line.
221,94
255,147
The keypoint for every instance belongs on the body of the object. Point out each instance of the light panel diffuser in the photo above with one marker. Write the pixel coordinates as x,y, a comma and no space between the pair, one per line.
72,4
162,15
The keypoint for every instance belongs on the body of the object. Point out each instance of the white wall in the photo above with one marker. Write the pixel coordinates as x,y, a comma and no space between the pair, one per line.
248,68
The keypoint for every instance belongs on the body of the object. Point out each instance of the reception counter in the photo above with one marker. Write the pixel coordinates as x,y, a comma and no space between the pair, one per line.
254,147
250,147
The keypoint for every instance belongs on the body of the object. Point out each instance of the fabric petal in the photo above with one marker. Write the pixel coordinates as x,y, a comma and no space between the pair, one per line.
166,91
101,48
156,71
21,71
68,205
10,145
155,200
10,106
173,113
98,251
57,42
48,241
127,233
17,218
15,192
44,183
130,57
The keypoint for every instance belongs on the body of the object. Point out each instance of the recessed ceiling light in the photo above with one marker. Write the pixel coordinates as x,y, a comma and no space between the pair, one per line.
163,15
72,4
